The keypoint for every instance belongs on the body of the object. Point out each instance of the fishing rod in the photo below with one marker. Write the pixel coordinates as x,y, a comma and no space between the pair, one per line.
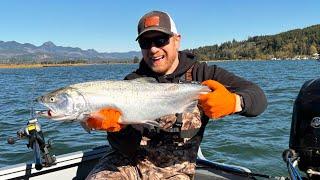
291,159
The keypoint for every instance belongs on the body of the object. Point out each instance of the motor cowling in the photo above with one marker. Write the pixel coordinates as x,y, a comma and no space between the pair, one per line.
305,126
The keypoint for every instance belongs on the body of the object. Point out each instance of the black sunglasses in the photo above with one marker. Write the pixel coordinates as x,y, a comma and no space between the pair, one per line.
158,41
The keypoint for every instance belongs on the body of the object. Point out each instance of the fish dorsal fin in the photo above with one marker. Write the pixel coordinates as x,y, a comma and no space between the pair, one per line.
145,80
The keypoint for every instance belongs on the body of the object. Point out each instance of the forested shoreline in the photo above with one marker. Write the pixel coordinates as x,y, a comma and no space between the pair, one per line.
295,44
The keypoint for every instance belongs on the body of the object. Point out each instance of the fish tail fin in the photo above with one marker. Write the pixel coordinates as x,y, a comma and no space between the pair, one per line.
190,107
204,90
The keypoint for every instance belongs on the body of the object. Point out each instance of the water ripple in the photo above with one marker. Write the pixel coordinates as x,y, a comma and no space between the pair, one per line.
256,143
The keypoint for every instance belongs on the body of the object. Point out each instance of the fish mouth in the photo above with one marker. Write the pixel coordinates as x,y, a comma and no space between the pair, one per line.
50,114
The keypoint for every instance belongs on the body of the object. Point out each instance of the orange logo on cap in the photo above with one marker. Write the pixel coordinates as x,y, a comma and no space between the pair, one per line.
151,21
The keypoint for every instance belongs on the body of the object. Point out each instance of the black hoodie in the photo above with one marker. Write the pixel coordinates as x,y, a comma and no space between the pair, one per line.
255,102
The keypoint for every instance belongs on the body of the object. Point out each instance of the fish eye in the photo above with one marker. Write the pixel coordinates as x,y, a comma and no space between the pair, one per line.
52,99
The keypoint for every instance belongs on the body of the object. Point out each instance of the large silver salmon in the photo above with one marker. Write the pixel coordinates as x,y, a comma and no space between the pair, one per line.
140,101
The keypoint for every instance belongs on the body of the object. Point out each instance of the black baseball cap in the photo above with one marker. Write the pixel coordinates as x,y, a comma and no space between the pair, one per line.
156,21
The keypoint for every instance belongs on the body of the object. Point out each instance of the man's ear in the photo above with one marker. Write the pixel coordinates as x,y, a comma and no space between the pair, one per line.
177,39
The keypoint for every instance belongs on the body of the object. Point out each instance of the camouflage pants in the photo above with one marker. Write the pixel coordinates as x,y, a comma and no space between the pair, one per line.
151,162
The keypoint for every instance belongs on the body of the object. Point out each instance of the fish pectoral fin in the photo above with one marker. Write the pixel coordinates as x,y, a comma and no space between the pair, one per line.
85,126
105,119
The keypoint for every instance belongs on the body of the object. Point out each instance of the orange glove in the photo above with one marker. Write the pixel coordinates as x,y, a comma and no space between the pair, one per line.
218,103
105,119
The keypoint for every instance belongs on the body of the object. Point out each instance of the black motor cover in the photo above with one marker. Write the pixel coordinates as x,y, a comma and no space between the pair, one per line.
305,126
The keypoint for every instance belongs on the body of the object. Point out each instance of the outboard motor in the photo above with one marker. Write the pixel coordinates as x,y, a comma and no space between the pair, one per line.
305,129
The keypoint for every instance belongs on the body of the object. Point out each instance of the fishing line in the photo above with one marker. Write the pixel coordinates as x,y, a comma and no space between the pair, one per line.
32,102
35,85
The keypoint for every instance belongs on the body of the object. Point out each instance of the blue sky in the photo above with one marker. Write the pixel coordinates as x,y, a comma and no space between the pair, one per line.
110,26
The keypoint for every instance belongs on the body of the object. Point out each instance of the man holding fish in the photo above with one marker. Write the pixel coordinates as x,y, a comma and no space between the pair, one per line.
156,118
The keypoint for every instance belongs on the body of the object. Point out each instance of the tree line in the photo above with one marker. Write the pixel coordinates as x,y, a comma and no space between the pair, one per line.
287,45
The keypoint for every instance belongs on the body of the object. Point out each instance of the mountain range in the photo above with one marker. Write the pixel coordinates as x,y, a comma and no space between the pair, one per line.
14,52
299,43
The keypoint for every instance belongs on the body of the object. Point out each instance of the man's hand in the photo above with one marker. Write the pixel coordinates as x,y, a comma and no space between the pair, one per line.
105,119
218,103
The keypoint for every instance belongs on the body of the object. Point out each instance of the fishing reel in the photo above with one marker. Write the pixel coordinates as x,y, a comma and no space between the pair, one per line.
37,143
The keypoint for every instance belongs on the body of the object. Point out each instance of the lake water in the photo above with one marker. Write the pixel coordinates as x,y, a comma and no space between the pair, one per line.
256,143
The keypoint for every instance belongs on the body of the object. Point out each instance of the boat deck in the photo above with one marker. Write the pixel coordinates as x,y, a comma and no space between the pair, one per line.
77,165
